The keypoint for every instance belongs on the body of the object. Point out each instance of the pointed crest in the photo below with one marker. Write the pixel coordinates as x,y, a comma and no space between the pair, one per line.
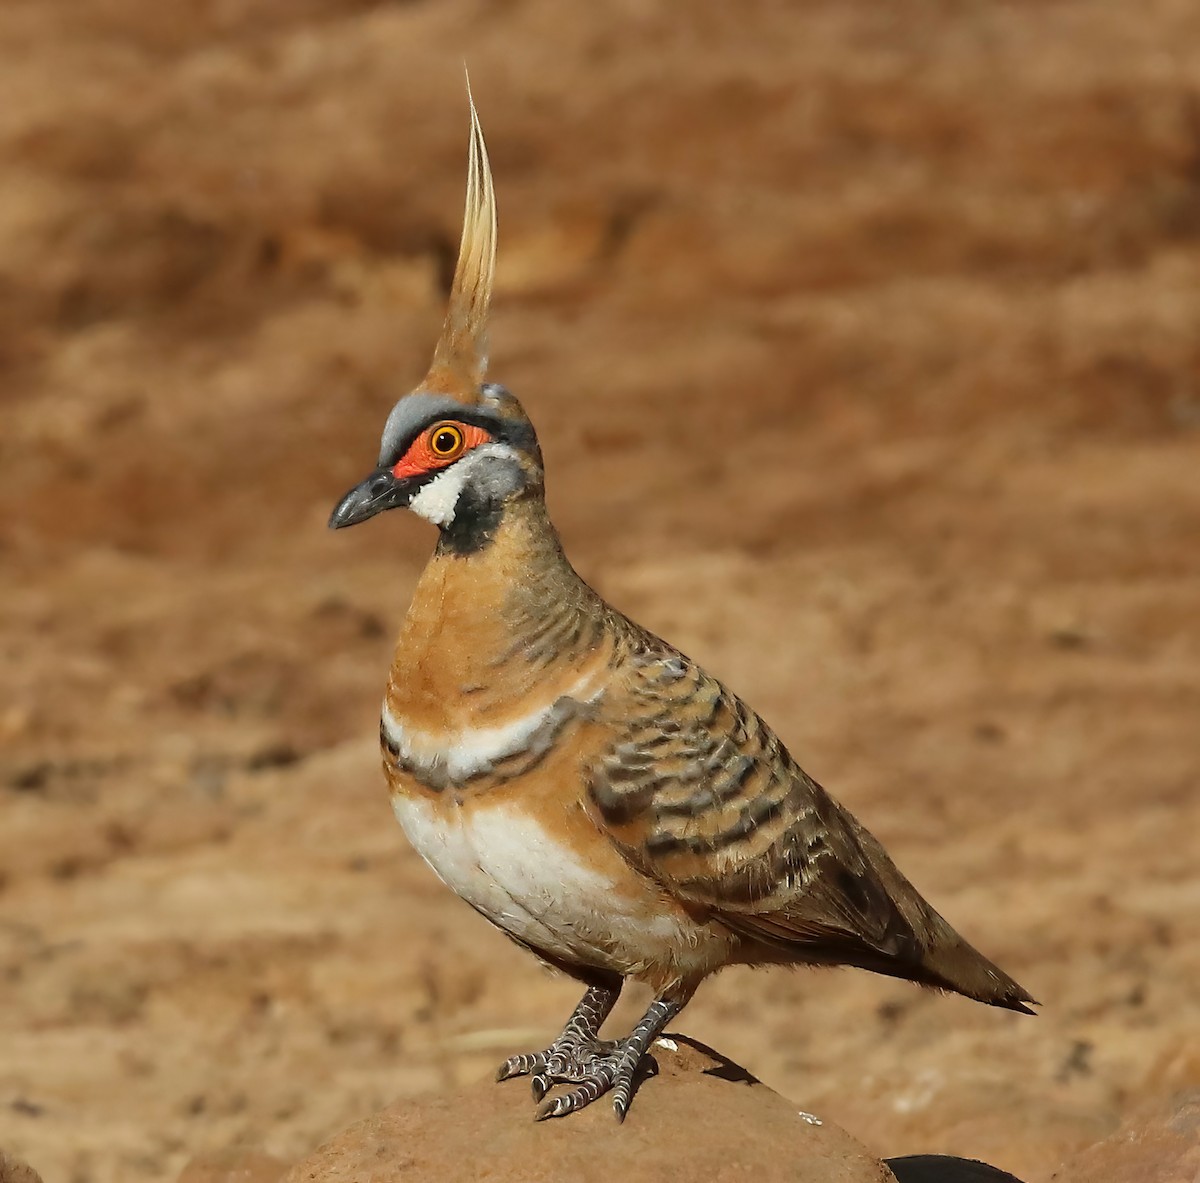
460,359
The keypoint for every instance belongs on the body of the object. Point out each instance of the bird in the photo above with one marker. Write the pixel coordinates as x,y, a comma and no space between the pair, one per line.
590,790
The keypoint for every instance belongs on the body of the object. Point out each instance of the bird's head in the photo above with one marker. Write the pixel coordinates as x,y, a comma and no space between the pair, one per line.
458,449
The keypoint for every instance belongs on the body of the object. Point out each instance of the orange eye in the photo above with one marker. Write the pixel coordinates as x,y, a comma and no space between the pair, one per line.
446,440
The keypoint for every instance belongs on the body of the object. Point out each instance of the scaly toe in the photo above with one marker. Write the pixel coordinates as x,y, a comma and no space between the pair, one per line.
588,1090
521,1065
622,1095
551,1107
625,1079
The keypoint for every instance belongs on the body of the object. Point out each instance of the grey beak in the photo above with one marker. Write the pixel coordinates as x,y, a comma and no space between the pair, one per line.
379,491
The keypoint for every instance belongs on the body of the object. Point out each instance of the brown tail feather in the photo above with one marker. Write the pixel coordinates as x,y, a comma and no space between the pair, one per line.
978,979
926,949
950,963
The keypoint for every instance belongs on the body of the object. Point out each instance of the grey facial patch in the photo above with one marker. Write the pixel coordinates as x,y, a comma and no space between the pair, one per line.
495,473
410,413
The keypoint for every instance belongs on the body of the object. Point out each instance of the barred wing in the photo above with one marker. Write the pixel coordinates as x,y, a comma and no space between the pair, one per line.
699,794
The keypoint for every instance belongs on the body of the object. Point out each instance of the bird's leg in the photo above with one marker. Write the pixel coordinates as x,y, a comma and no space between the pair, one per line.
611,1066
578,1041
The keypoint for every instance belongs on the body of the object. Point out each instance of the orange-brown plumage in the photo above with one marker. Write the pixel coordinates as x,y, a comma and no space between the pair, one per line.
578,781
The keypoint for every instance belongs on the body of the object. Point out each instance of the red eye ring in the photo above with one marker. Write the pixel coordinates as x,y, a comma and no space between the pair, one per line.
438,446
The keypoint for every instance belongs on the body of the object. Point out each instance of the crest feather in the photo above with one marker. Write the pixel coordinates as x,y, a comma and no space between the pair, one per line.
460,359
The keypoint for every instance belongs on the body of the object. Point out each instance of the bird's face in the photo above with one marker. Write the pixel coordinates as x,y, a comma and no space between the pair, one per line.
457,465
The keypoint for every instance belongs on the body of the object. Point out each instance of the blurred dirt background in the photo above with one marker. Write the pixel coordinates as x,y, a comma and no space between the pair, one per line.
863,343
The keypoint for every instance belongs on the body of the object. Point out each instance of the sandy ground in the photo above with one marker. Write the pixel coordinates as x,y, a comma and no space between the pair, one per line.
862,340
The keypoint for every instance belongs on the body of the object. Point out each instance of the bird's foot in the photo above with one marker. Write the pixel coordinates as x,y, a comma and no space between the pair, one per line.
611,1067
594,1066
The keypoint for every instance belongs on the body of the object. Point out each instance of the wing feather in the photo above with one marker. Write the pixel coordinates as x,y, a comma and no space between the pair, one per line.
700,795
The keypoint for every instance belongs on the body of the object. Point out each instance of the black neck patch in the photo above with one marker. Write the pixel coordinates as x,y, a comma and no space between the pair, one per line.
477,517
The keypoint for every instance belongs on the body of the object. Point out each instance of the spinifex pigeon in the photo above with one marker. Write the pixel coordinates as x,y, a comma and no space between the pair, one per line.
582,784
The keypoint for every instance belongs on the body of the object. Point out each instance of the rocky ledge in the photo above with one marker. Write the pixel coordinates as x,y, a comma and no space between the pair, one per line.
700,1117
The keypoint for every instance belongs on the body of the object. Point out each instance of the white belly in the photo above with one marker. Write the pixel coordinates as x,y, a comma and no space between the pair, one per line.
503,863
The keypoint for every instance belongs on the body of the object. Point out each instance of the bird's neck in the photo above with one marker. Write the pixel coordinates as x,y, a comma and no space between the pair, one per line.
495,626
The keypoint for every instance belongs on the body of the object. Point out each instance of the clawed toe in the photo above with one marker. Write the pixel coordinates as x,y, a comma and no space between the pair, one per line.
521,1065
593,1086
623,1085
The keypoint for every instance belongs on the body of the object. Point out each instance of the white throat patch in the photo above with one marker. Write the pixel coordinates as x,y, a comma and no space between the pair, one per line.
437,501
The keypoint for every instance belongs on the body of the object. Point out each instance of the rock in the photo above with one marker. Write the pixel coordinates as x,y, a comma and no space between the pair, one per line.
1162,1146
12,1170
701,1117
234,1167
